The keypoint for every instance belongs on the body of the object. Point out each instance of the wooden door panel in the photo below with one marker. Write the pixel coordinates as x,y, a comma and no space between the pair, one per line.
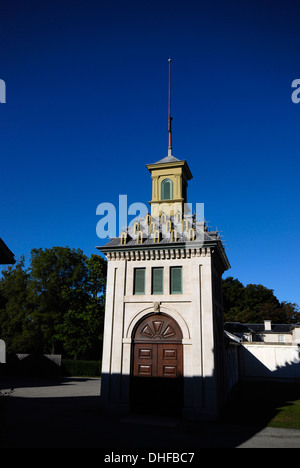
169,353
144,370
168,371
158,360
156,381
169,360
145,360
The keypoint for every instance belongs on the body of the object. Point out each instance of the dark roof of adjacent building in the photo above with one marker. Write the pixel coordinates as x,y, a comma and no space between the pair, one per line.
237,328
6,255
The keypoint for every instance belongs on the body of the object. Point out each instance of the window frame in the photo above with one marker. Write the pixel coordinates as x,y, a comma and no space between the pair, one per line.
135,292
172,290
161,291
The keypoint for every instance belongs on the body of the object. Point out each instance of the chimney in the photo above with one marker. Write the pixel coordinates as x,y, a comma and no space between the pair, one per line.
268,326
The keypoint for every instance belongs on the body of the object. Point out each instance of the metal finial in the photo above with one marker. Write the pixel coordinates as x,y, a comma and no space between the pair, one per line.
169,112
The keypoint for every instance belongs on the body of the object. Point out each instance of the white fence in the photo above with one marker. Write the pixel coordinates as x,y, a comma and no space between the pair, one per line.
270,361
2,352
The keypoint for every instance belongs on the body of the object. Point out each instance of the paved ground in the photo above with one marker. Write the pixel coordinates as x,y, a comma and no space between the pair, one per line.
67,414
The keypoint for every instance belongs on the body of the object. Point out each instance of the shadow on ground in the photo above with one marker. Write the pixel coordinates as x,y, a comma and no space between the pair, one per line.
67,414
258,402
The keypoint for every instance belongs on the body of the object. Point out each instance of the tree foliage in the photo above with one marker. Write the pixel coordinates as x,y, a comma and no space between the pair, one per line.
55,305
255,303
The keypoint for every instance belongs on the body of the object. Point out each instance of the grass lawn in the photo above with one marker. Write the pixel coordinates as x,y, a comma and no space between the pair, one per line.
272,404
288,416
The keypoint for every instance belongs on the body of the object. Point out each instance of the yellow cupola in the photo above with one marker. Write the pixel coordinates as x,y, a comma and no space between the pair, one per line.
169,186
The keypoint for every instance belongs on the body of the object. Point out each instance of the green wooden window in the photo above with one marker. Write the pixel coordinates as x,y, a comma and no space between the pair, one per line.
139,280
176,280
157,280
166,189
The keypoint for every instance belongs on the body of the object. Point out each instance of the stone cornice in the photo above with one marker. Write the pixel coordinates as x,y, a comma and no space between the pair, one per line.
166,252
158,253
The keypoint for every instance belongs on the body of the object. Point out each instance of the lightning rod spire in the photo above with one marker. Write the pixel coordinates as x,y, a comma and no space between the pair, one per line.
169,114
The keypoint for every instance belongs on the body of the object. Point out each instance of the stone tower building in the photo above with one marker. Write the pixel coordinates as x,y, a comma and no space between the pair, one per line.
163,337
163,348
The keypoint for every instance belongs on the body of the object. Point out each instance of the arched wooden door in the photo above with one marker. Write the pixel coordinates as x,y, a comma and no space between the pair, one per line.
157,369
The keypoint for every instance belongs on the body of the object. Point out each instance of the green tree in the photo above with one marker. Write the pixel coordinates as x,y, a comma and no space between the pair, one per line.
17,326
259,303
82,327
55,305
233,294
58,277
255,303
290,311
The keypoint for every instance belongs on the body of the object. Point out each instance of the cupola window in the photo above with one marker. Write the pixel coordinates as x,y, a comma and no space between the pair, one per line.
166,189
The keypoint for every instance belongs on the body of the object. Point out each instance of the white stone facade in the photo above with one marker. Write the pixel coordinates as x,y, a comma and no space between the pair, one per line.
197,311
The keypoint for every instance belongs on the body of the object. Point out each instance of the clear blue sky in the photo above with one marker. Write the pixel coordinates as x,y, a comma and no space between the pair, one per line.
86,109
